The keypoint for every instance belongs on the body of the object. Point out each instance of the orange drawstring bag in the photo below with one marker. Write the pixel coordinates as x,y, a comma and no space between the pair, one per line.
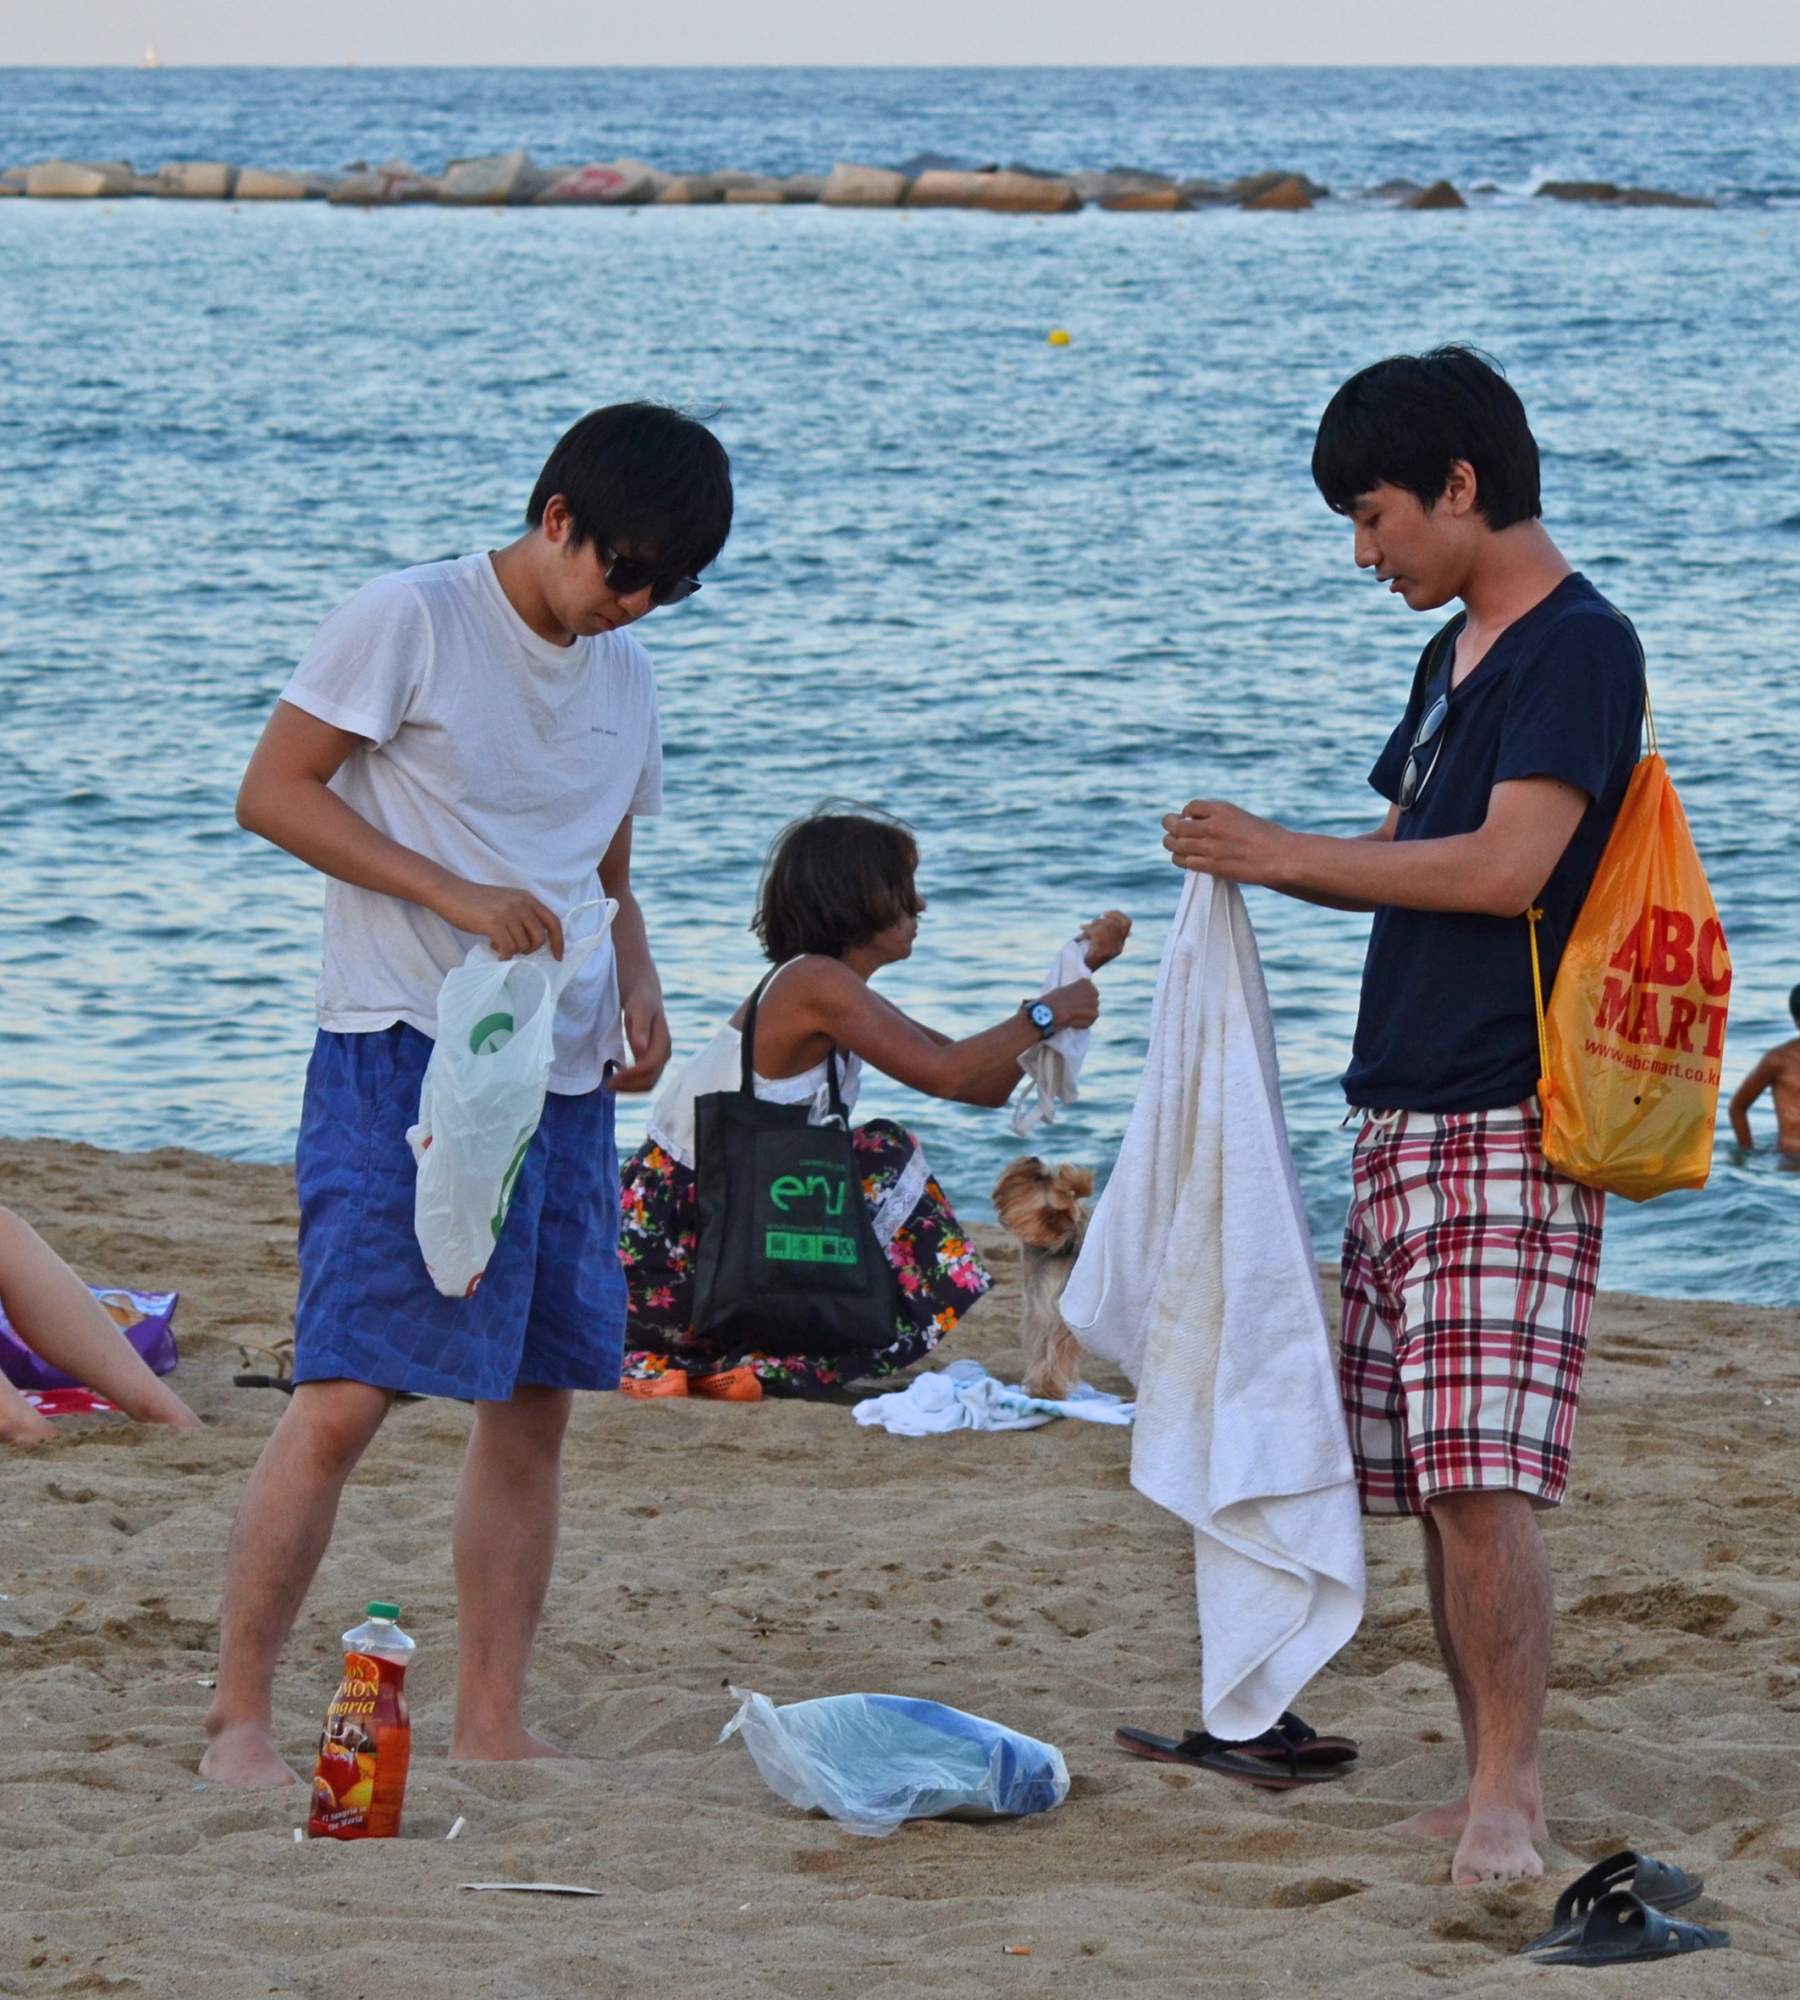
1632,1040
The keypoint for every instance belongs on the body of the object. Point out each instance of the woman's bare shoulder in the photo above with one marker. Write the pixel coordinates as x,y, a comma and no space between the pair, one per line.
809,982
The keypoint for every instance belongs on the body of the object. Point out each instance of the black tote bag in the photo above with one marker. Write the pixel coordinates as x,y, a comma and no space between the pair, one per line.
787,1252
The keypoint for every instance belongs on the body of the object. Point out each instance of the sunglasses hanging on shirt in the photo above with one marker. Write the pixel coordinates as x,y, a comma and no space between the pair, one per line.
1427,747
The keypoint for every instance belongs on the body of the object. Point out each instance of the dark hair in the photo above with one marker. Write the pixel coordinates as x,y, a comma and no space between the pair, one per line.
1405,421
1794,1005
833,880
645,476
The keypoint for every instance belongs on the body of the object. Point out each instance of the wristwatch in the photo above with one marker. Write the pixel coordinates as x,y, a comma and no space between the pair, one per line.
1041,1016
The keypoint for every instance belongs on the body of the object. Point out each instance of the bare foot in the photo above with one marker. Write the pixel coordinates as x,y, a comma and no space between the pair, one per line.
1495,1847
499,1746
25,1426
244,1754
1437,1822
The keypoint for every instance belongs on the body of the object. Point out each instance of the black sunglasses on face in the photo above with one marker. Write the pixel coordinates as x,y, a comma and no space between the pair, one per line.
626,576
1419,766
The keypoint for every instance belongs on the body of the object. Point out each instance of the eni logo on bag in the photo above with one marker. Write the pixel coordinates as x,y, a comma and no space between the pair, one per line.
790,1188
1664,953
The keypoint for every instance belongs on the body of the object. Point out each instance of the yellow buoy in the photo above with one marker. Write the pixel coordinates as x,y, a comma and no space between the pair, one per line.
1059,336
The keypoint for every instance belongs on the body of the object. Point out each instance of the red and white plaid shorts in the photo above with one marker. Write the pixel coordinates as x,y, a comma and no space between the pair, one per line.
1468,1277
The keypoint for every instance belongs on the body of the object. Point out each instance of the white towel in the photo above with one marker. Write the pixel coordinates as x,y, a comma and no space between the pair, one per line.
965,1397
1197,1278
1055,1064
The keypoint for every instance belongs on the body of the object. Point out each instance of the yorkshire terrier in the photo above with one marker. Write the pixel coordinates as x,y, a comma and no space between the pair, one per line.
1043,1208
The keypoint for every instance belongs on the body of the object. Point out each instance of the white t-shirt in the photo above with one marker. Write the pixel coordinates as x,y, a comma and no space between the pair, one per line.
495,754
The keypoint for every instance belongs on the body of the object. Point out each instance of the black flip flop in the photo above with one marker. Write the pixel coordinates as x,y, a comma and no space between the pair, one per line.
1622,1929
1293,1742
1279,1760
1658,1883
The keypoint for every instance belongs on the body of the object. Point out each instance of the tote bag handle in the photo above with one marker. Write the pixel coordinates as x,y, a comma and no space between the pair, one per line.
839,1111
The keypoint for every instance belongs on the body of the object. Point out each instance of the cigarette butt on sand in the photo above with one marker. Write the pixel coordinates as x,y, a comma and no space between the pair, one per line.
457,1828
1016,1950
535,1888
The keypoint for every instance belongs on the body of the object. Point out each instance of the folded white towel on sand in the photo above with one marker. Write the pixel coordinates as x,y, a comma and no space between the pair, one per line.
1054,1066
1198,1279
965,1397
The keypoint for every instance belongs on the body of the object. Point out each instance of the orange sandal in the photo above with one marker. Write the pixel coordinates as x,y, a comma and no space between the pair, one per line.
729,1385
671,1382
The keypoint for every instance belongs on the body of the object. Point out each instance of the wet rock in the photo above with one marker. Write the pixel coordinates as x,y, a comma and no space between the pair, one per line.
1249,189
1440,194
497,180
944,163
1145,201
386,186
1394,190
603,184
196,180
258,184
1009,194
803,187
692,190
76,180
1579,191
1663,198
1286,195
1206,194
848,186
749,193
1610,194
1109,188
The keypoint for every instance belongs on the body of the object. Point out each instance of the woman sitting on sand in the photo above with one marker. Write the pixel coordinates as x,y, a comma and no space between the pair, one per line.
58,1318
838,902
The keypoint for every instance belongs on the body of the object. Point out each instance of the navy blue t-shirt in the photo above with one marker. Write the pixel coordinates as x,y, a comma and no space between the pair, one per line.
1447,1021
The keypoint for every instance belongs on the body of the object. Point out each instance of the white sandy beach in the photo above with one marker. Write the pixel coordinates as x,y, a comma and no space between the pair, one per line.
782,1548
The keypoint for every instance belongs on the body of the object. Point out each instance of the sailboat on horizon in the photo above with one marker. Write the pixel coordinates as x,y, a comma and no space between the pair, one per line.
149,59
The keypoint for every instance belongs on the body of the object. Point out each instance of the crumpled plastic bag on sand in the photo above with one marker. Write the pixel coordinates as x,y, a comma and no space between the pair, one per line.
874,1760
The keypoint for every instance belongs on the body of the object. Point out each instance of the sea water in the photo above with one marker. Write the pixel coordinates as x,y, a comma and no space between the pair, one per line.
1030,597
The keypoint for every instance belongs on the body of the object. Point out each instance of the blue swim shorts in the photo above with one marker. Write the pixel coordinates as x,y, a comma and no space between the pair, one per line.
551,1309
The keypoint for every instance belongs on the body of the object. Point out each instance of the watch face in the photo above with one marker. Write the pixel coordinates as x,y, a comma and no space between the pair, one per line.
1041,1015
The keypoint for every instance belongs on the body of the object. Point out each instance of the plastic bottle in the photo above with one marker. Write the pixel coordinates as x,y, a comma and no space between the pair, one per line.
366,1744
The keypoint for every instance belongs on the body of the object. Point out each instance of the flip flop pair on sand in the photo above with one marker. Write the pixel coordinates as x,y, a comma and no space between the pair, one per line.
1617,1914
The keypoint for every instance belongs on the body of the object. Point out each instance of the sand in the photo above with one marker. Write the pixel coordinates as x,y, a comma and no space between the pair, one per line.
780,1547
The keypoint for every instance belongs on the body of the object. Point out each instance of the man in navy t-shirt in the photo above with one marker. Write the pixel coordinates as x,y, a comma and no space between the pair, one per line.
1469,1266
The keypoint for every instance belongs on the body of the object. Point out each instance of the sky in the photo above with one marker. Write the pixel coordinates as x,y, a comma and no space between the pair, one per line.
556,32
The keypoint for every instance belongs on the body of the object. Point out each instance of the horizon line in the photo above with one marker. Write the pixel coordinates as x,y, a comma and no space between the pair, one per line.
602,68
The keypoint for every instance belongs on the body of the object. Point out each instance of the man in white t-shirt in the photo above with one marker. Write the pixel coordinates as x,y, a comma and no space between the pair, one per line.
461,753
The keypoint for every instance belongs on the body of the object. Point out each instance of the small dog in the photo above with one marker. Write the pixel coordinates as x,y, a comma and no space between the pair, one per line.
1042,1207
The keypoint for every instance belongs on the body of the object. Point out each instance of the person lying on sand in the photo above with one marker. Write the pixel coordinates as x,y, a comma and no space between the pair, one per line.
56,1316
1469,1264
1779,1071
838,903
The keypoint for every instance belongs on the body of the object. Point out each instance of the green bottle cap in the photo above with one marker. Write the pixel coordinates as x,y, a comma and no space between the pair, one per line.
384,1611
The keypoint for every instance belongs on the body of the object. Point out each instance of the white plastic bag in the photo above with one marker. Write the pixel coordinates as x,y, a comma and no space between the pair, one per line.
874,1760
482,1097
